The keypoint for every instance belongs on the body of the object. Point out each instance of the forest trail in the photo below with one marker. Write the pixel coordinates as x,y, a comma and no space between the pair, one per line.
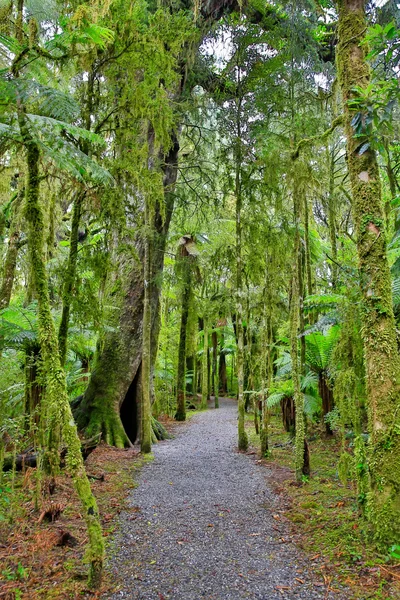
201,524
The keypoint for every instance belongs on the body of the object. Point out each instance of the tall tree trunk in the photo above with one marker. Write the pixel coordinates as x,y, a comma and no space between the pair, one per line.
295,308
145,437
242,435
10,262
266,373
332,216
379,333
57,401
214,338
307,249
204,366
222,375
69,277
111,400
180,414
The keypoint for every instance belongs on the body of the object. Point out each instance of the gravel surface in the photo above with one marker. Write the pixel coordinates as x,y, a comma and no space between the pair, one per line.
201,525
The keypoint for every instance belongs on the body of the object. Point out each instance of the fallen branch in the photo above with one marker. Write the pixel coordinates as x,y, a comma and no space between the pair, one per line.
29,459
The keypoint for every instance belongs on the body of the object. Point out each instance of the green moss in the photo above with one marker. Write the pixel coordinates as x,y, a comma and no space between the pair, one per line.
378,466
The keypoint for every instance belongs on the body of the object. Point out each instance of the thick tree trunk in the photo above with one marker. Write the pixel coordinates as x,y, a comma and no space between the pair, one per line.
146,429
379,333
110,403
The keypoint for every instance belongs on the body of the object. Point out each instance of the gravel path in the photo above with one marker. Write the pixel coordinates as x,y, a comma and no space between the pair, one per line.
201,525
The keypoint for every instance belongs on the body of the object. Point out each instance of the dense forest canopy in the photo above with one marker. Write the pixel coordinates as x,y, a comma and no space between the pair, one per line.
201,200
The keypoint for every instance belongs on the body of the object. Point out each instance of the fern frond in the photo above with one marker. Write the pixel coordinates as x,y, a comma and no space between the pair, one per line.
55,125
322,302
275,399
396,290
309,381
312,404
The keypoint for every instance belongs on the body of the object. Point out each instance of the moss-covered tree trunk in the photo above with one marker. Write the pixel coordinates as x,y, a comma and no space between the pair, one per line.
242,436
214,338
114,387
145,437
332,216
266,374
69,277
378,330
204,365
10,262
222,374
295,308
180,414
58,411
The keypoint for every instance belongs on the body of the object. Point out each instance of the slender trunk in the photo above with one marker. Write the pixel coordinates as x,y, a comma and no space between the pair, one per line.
307,246
180,414
10,262
266,376
204,366
332,217
379,333
222,375
214,338
69,277
57,401
295,311
242,436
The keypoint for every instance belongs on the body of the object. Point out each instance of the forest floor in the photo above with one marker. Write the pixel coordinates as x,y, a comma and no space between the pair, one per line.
204,523
323,518
38,559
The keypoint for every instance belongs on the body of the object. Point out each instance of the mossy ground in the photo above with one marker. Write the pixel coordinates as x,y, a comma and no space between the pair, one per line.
323,517
32,565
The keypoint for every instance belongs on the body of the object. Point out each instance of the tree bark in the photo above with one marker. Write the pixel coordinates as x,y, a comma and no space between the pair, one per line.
10,262
214,338
114,387
378,330
180,414
58,410
69,277
204,366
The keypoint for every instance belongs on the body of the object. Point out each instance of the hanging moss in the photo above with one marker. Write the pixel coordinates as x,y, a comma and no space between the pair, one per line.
57,411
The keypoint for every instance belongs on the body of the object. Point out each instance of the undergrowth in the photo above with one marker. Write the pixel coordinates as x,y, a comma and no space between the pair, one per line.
324,518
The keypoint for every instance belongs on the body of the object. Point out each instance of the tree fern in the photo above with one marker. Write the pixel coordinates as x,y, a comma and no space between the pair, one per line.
322,302
319,348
